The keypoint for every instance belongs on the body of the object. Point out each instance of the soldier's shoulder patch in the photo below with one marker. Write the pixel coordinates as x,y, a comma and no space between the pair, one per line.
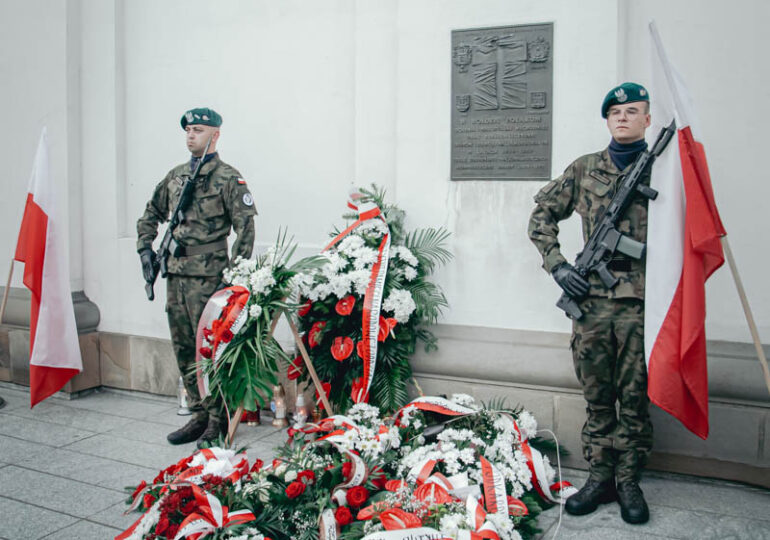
240,180
248,200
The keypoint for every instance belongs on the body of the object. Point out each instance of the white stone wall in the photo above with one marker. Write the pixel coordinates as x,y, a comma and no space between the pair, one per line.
317,94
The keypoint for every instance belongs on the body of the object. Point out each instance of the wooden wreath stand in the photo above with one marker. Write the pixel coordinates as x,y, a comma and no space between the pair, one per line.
236,418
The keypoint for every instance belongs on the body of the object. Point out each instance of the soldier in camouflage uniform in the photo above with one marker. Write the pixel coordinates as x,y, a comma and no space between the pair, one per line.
608,341
221,200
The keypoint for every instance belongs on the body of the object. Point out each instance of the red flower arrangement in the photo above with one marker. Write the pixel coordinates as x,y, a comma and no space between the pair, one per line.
343,516
357,496
295,489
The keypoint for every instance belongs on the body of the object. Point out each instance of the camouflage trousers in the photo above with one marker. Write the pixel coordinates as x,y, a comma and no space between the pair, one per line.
608,352
186,297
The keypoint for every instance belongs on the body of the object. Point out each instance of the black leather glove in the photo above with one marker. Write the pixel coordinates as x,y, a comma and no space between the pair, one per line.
570,281
147,256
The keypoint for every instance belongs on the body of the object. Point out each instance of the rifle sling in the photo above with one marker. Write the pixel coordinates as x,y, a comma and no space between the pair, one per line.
190,251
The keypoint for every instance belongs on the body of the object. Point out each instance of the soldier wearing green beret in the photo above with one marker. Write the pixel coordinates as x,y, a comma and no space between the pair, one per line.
608,340
221,202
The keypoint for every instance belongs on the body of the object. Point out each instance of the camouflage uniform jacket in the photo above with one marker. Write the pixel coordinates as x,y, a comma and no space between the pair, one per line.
221,200
587,187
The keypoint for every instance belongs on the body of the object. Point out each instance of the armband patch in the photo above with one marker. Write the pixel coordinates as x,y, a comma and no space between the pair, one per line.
248,200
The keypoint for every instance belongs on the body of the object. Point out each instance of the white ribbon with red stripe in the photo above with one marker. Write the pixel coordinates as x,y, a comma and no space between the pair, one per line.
370,324
437,405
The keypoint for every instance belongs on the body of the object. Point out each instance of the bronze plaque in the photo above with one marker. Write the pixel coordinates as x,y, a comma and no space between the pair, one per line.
502,84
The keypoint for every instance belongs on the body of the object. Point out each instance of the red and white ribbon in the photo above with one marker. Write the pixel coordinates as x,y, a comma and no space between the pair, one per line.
210,516
557,493
437,405
231,300
370,324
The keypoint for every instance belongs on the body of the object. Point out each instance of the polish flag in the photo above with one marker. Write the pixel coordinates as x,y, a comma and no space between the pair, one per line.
683,250
54,353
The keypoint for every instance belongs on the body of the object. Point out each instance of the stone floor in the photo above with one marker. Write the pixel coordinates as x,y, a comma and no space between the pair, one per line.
63,467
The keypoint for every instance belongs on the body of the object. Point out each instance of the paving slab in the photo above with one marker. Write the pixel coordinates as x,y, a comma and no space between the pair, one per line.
13,450
93,470
14,399
155,456
144,431
20,521
54,492
40,432
114,517
85,530
64,415
118,405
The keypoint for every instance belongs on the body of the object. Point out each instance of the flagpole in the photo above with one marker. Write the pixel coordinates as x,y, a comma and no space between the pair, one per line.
5,293
746,310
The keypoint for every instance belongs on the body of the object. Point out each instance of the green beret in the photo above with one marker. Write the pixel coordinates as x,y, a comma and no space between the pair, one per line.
625,93
201,115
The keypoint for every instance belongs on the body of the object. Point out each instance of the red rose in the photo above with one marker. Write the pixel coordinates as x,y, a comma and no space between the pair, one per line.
356,496
347,469
296,367
295,489
314,336
357,391
227,335
162,525
148,500
172,530
257,466
343,516
205,352
305,308
345,306
139,488
341,348
306,475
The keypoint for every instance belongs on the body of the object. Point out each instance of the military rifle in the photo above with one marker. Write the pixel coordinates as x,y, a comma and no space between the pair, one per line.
168,245
606,239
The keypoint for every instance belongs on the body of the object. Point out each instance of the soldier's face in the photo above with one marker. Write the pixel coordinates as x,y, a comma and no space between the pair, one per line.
198,135
627,122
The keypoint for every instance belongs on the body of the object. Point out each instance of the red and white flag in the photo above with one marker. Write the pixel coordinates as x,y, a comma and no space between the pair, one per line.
54,355
683,250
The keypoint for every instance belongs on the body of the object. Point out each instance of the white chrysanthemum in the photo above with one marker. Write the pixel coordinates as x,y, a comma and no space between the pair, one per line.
261,280
372,227
452,523
364,257
403,253
410,273
350,244
527,424
255,311
359,280
400,303
340,285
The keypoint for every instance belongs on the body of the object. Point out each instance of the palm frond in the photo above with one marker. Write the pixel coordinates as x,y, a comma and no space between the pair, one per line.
428,245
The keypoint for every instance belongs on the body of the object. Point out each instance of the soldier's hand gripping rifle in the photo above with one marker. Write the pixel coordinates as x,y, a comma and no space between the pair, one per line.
606,239
168,245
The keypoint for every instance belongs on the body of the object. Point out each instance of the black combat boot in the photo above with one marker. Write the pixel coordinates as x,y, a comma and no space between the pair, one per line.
189,432
590,496
633,508
213,430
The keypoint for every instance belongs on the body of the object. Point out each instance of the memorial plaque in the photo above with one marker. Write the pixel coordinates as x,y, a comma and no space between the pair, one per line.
502,84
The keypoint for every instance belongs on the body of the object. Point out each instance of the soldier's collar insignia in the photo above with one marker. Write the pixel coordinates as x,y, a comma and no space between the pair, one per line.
620,95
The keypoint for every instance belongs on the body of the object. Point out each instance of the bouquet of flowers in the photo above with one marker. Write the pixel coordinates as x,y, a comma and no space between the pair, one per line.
440,467
334,300
239,356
